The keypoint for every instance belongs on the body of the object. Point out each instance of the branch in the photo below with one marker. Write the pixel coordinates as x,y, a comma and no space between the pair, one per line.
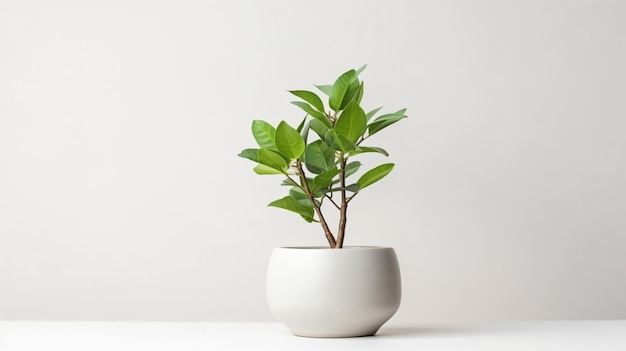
294,182
331,200
307,190
351,197
344,205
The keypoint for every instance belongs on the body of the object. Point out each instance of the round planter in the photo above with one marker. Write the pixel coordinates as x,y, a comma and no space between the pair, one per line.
323,292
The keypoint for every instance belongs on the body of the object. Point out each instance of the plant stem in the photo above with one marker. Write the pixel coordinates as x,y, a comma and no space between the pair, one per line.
332,201
305,185
344,205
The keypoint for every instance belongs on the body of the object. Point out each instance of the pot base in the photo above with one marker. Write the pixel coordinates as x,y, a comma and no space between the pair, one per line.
357,334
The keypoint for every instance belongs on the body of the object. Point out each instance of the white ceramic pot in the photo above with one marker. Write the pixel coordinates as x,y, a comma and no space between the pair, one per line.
323,292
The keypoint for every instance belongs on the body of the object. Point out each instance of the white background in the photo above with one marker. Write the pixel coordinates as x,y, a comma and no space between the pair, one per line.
121,196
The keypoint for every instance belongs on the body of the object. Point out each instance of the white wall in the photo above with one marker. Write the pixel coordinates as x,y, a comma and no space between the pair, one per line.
121,197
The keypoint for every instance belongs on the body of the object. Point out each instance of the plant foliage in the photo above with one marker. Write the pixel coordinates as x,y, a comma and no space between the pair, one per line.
316,156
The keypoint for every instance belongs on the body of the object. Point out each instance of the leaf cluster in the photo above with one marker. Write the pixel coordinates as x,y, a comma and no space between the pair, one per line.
316,157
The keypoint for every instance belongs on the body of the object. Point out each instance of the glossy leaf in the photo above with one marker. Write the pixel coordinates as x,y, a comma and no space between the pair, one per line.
339,142
272,160
352,168
400,112
351,123
302,125
319,128
250,154
352,93
384,121
371,114
263,170
361,69
378,126
299,195
288,182
311,98
352,188
339,89
288,141
263,134
312,112
364,149
359,95
290,204
375,174
318,157
314,188
325,179
303,129
326,89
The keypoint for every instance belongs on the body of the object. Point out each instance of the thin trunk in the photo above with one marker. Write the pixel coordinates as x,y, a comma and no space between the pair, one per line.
343,212
329,235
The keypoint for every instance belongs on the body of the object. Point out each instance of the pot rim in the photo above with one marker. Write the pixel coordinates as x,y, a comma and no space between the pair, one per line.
350,247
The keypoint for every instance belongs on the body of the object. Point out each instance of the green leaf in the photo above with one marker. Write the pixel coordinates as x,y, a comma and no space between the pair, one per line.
375,174
352,188
400,112
272,160
318,157
288,141
352,167
339,142
364,149
385,121
325,179
319,128
378,126
250,154
332,140
352,93
291,183
339,89
288,182
351,123
313,187
371,114
301,126
348,145
263,169
326,89
298,194
359,95
303,129
263,134
312,112
290,204
311,98
361,69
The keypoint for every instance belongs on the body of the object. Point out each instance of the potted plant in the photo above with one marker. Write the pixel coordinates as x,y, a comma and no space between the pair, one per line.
332,291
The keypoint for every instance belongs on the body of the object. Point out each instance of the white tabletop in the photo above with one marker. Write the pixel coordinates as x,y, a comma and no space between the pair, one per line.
184,336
